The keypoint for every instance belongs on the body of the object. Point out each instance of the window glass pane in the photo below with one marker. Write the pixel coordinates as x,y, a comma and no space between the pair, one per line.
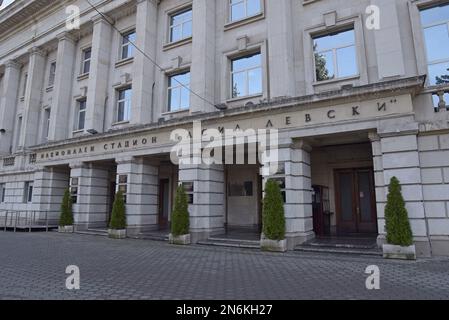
121,111
254,7
246,63
255,81
437,42
335,40
239,84
237,11
87,54
128,94
176,33
187,29
324,64
346,62
174,99
438,73
435,14
185,98
86,68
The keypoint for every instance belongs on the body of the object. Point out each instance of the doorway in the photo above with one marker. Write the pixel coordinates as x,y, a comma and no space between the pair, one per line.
164,203
355,201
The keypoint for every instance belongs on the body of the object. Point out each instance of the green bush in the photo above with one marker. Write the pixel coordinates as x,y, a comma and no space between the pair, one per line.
118,217
180,223
66,217
273,212
397,224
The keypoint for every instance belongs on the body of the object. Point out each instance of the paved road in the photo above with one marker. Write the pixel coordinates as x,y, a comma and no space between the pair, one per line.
32,266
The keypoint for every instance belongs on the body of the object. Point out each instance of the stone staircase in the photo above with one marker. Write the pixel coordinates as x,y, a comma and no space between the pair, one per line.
233,243
94,232
354,246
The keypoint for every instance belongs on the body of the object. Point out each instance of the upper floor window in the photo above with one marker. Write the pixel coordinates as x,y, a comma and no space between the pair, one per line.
335,55
24,86
51,76
181,25
435,23
28,192
80,118
124,104
85,63
2,192
47,115
127,45
19,131
178,92
241,9
246,76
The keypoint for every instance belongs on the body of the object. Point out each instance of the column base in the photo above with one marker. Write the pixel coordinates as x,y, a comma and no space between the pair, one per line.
297,238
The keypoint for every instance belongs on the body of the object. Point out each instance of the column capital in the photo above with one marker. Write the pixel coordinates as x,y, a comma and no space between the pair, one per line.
102,18
125,160
301,144
77,165
67,36
155,2
37,51
373,136
13,64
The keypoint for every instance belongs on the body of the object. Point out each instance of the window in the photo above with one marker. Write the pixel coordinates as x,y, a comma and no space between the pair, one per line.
189,189
178,92
246,76
28,192
47,114
124,105
74,189
127,45
2,192
181,26
81,115
51,77
24,86
85,61
123,185
335,56
435,23
19,130
241,9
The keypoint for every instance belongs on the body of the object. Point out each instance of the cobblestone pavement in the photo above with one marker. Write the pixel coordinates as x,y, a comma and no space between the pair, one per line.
32,266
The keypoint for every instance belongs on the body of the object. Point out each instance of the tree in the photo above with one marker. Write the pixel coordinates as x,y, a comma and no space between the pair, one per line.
443,79
397,224
273,212
320,65
66,218
118,216
180,223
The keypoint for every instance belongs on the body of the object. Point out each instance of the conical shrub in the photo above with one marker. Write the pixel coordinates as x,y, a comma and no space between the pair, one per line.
180,223
66,217
273,212
397,225
118,216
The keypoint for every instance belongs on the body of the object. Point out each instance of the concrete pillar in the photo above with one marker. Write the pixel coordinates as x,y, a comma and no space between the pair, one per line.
202,75
398,156
33,97
48,191
143,69
99,74
62,102
142,194
207,213
8,105
280,48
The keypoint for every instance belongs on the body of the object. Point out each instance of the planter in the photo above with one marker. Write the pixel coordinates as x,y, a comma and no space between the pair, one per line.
117,234
273,245
391,251
65,229
181,240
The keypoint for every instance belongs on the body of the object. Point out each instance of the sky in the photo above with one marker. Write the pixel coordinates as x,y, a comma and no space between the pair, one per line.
5,3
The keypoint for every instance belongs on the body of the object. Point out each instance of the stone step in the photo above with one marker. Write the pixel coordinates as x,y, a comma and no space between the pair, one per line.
342,245
233,243
94,232
153,237
339,250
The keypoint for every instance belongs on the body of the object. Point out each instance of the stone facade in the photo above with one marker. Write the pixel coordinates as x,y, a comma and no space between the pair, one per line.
61,127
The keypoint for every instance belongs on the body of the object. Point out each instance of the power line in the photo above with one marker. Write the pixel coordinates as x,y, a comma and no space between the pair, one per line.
148,57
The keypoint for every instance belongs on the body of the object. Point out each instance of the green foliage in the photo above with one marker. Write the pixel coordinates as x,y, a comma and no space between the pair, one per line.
273,212
66,217
397,224
118,217
180,223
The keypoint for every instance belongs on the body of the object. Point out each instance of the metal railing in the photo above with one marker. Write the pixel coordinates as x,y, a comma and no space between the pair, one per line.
25,220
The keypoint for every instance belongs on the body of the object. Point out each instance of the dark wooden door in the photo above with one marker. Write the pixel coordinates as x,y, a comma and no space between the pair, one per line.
355,201
164,200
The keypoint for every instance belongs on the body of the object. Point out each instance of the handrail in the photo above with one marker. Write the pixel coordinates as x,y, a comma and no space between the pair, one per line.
25,219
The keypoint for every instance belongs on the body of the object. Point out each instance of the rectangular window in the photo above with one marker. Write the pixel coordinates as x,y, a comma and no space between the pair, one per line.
19,130
81,115
2,192
335,55
246,76
179,92
127,45
124,104
47,114
24,87
435,23
51,76
181,25
85,61
74,182
189,189
241,9
28,192
123,185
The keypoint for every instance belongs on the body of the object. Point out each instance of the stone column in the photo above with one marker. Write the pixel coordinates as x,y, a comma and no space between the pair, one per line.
202,73
143,69
62,103
398,156
49,187
280,48
8,105
33,97
207,213
99,74
294,167
142,194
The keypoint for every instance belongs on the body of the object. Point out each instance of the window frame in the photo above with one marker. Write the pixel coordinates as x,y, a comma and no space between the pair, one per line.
2,192
122,185
46,123
232,72
173,14
84,61
246,17
28,192
52,74
128,45
24,84
19,130
171,87
126,115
